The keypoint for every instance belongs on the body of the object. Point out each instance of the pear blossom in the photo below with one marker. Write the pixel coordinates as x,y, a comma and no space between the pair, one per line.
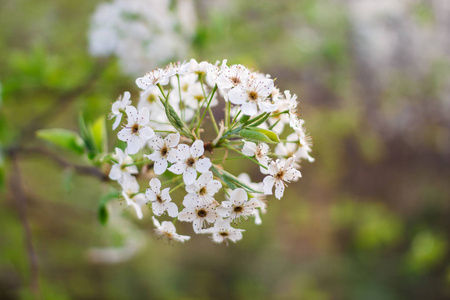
238,206
199,215
189,161
168,230
279,176
251,95
259,151
161,200
222,232
157,76
179,146
130,191
137,131
163,151
233,76
124,165
259,196
118,108
202,191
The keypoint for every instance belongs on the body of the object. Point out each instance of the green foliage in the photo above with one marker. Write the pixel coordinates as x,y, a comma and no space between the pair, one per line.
260,135
67,139
100,134
102,211
427,250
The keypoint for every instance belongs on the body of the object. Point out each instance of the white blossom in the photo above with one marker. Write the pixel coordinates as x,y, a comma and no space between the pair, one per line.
168,230
199,215
251,95
161,200
202,191
137,131
157,76
222,232
118,108
189,161
238,206
124,165
130,191
163,151
280,174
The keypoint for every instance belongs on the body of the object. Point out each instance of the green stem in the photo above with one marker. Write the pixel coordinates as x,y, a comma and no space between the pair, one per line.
178,186
227,114
207,106
242,154
213,120
182,107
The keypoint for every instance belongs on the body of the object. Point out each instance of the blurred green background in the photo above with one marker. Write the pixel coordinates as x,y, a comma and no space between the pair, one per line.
368,220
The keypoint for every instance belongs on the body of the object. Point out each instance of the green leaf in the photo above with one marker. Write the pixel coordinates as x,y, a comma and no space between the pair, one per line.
259,135
102,207
174,119
87,137
99,134
258,120
63,138
244,119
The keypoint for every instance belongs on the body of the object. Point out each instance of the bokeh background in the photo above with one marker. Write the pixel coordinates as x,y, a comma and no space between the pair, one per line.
368,220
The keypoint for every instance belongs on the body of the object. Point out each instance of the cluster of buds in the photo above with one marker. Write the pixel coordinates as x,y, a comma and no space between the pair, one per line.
187,113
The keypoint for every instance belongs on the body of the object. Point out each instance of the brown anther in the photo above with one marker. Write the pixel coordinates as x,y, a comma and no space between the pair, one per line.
202,213
238,209
135,128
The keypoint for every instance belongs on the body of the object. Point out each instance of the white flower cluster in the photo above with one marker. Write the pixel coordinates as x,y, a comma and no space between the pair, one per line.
166,128
142,33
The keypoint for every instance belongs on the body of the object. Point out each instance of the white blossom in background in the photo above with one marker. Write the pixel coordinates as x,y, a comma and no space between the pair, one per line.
142,33
176,130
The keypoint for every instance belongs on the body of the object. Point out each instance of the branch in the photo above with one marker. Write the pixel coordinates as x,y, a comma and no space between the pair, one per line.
65,164
21,204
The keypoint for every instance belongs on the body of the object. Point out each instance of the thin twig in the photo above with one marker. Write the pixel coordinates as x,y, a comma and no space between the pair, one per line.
20,202
83,170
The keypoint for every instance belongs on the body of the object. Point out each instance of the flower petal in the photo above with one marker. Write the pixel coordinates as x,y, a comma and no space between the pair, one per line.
189,175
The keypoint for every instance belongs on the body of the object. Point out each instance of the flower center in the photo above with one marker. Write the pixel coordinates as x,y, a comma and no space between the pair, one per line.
202,213
238,209
253,95
135,129
199,98
151,98
202,191
164,151
159,198
236,80
190,162
224,233
279,175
